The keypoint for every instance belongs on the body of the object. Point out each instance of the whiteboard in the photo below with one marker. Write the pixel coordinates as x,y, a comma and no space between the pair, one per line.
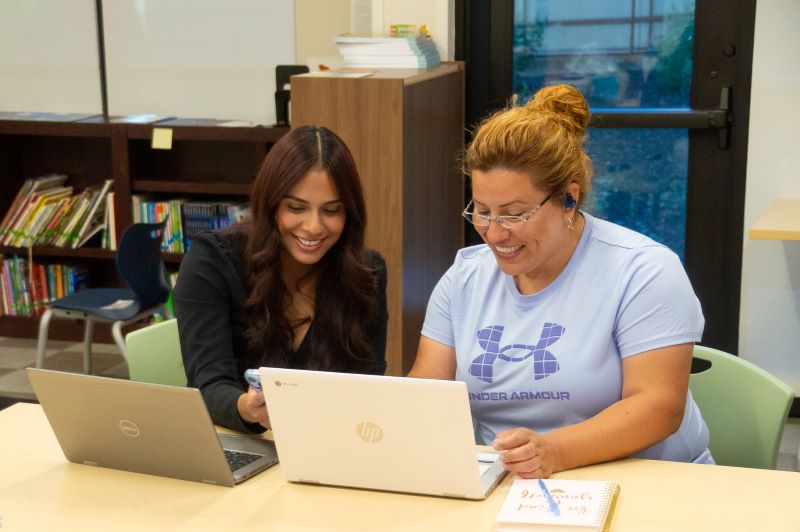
48,56
196,58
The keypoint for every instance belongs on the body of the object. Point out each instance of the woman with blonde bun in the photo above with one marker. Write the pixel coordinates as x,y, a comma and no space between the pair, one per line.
574,335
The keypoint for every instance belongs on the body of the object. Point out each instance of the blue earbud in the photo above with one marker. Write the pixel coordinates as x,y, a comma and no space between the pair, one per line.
569,202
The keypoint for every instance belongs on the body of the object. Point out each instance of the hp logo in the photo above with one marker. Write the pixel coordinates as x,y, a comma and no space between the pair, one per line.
369,432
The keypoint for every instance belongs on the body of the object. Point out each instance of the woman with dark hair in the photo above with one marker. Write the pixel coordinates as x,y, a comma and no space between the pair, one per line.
291,287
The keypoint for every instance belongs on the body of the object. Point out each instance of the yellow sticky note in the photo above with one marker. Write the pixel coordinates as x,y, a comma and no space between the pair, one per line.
162,138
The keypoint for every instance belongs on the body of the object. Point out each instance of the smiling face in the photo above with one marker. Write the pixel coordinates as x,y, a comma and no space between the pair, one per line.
535,252
310,220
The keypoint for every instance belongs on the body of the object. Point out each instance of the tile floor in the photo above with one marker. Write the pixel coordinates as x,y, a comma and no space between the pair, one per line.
17,354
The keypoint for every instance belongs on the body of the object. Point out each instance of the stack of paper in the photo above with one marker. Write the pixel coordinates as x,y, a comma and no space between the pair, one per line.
365,51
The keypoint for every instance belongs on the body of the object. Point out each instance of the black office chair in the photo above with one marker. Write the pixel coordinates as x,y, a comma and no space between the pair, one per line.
140,264
283,73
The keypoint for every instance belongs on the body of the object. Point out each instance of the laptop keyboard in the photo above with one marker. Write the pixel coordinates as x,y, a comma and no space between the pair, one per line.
238,459
485,461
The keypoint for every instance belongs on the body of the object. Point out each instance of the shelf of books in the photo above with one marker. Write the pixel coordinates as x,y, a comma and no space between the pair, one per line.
70,184
202,181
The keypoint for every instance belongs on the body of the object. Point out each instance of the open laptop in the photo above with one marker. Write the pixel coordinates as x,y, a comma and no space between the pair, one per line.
146,428
376,432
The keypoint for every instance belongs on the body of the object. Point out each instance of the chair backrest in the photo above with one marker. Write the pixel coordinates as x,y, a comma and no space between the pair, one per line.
744,407
154,354
141,265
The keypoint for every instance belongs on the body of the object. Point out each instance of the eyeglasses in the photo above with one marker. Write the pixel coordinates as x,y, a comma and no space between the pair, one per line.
482,221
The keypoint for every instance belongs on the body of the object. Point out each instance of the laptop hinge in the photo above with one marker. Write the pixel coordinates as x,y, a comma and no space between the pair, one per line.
89,462
206,481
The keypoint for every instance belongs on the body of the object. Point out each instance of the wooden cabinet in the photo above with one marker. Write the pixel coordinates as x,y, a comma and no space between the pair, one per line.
406,131
206,160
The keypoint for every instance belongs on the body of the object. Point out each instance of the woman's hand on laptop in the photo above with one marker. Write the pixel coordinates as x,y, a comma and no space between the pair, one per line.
526,453
252,408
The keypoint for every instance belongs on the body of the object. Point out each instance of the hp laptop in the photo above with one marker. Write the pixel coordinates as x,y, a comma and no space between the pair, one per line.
145,428
375,432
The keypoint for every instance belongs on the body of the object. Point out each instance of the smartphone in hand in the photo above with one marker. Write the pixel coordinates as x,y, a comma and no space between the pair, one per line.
253,378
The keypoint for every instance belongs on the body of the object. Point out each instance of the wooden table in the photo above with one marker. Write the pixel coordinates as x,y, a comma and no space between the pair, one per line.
40,490
780,222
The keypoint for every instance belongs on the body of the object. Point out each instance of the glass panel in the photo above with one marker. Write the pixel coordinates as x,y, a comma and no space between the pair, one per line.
620,53
646,190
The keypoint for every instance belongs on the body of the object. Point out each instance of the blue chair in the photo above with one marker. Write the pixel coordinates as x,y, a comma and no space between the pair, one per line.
141,266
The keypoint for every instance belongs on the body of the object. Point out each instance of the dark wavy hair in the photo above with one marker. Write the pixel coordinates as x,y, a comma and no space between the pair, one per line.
338,339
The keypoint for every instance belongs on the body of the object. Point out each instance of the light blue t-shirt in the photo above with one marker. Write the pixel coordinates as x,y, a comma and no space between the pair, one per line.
554,358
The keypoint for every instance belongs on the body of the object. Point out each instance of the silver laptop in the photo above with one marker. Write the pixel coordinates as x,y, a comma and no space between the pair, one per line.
146,428
375,432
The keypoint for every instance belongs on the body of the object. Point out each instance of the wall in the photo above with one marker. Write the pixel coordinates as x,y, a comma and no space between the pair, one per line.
317,22
770,304
438,15
48,56
191,58
197,58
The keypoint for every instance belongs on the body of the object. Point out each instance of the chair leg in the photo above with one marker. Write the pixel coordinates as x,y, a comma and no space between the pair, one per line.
41,344
116,331
88,334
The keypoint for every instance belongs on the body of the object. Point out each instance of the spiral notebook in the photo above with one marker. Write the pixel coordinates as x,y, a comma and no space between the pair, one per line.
581,505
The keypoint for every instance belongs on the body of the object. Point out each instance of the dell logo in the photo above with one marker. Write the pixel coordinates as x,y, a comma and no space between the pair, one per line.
129,428
369,432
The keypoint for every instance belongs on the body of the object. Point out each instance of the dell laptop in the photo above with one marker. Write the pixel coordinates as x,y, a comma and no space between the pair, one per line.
375,432
145,428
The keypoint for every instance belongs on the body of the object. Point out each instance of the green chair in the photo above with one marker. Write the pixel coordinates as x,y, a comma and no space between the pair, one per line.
154,354
744,407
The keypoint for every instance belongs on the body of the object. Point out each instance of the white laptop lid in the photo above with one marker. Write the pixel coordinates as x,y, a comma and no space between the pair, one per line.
375,432
141,427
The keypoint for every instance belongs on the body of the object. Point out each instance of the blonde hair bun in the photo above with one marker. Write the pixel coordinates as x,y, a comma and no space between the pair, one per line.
565,104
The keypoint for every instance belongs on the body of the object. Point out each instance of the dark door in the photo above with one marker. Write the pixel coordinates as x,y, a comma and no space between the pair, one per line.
669,87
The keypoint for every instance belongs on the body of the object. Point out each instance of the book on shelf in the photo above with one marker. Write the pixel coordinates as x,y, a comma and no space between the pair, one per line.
60,220
72,218
45,117
582,505
94,221
15,216
200,122
47,232
47,212
41,208
380,51
26,288
187,217
139,119
110,227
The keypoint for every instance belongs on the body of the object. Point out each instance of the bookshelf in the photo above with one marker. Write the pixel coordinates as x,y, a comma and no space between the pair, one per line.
206,160
405,128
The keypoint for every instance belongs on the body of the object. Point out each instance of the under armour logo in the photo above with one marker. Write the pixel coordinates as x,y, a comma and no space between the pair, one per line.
544,362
